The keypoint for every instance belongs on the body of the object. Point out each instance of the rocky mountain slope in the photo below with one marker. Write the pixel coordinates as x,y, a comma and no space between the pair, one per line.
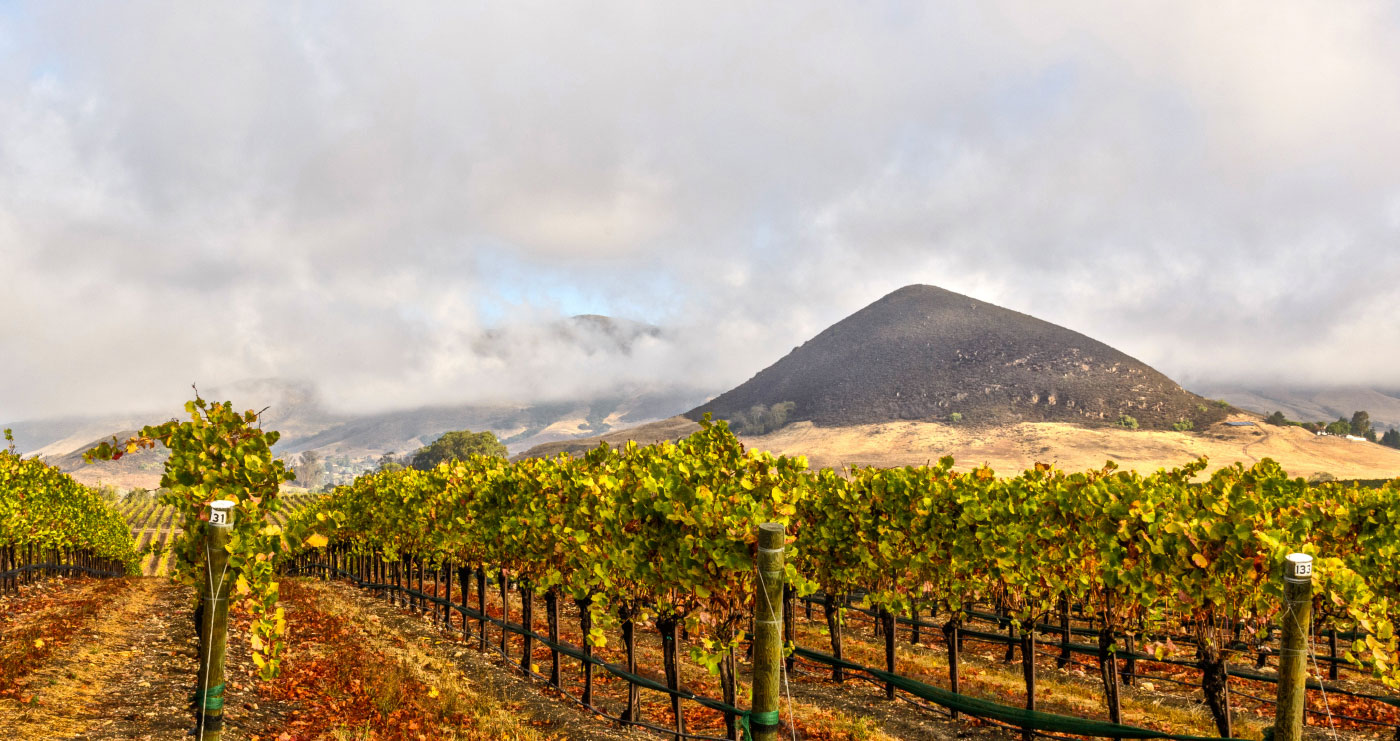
924,353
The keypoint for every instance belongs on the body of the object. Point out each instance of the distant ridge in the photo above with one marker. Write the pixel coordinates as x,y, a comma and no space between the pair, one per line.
925,353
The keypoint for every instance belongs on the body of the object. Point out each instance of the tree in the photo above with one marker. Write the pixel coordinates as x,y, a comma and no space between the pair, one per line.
1391,438
1277,418
760,419
455,446
1360,423
1340,427
310,471
388,462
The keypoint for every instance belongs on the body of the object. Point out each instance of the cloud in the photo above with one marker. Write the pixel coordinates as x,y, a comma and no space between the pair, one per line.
359,194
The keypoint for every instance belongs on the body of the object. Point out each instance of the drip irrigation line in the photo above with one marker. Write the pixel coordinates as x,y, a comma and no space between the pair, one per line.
1048,629
60,567
563,648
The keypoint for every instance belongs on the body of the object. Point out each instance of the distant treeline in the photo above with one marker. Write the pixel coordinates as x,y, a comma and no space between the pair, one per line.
1359,425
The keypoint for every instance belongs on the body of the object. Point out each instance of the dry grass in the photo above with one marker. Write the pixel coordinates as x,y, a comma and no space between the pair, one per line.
1018,447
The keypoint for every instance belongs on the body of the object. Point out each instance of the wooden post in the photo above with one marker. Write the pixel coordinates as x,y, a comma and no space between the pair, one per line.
462,574
527,620
585,624
950,634
789,623
209,682
1293,647
629,640
670,662
1028,672
551,610
1332,644
1129,662
1064,633
481,605
505,616
446,594
768,637
886,619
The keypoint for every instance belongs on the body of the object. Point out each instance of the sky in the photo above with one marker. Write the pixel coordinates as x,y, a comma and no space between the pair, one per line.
355,194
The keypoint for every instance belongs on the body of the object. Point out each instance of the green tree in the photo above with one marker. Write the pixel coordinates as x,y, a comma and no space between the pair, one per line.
760,419
388,462
1391,438
1340,427
456,446
1360,423
1277,418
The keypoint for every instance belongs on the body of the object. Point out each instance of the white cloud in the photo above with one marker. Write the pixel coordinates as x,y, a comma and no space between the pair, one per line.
356,193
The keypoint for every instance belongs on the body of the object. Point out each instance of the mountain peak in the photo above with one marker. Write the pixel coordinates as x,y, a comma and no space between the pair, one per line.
927,353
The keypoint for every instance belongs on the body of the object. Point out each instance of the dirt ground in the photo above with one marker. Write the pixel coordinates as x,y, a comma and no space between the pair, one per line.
115,659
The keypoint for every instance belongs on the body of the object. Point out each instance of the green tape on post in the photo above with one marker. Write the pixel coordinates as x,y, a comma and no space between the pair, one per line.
211,700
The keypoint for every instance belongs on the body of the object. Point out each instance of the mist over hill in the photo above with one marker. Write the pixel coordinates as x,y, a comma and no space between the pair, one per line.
349,442
1312,403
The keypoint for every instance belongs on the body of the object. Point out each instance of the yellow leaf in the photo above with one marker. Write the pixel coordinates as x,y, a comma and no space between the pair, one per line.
38,643
317,540
1200,560
432,692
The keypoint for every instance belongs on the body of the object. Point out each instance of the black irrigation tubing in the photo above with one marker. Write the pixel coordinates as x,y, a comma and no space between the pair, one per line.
59,567
564,648
863,676
1050,629
510,660
1236,672
975,634
1083,648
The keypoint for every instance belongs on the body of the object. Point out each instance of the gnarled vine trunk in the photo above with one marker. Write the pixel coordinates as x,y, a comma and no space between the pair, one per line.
1108,672
1215,685
833,626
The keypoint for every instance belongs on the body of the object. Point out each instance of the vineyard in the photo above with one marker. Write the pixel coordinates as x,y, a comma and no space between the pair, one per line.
154,529
50,524
1161,570
1098,603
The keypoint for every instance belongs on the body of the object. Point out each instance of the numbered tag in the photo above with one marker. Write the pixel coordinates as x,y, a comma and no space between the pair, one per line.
1300,566
221,513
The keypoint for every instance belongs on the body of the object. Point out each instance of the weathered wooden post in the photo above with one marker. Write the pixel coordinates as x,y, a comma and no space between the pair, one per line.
1293,647
209,688
768,631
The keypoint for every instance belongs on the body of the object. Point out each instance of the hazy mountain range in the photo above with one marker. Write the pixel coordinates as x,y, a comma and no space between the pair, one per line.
919,353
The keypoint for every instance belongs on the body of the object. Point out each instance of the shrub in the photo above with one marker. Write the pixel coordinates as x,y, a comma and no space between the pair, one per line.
955,417
1184,425
760,419
1128,422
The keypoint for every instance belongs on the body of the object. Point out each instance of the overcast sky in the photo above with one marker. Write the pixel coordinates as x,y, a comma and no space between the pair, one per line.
351,193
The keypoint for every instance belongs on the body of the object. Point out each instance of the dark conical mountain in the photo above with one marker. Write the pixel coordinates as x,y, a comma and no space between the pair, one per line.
923,353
